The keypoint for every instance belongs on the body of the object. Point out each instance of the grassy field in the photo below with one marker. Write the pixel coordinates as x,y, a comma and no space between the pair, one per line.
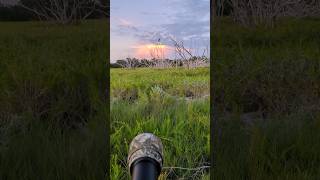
171,103
266,100
53,109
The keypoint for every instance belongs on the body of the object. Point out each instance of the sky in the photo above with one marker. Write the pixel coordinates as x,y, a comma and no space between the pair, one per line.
138,25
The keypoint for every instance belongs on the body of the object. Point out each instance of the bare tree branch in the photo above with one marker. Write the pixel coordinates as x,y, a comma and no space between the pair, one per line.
64,11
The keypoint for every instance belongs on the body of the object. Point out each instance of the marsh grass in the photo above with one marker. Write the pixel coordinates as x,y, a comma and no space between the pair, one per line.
53,115
160,106
274,73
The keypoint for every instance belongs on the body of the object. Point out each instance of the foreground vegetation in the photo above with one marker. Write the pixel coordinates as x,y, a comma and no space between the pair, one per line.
266,100
171,103
266,103
52,95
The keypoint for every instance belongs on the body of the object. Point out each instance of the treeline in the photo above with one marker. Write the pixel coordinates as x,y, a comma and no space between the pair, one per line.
60,11
196,61
264,12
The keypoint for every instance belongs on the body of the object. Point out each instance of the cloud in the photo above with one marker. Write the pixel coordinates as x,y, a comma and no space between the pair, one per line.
186,28
185,20
123,26
189,10
154,13
124,22
190,19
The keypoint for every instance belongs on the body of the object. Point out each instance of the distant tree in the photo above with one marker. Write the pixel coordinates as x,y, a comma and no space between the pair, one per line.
64,11
266,12
103,8
115,65
121,63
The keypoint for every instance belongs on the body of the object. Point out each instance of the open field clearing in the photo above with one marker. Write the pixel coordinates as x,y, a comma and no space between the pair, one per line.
53,112
171,103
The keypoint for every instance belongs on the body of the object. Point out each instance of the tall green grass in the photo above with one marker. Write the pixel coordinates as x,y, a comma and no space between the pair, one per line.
53,115
266,99
171,103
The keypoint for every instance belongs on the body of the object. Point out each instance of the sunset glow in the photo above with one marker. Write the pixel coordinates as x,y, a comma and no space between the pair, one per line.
145,51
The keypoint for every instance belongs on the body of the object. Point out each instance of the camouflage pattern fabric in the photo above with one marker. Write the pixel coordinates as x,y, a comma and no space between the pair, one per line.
145,145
